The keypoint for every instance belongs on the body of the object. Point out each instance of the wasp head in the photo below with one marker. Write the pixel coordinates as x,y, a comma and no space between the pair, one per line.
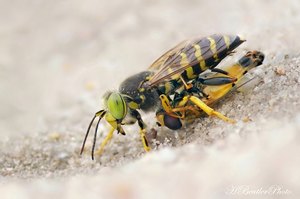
116,105
252,59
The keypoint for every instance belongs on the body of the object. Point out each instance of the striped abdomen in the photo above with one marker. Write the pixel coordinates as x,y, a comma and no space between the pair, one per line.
207,53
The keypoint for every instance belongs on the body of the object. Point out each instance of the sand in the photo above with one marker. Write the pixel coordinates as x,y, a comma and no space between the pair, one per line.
58,58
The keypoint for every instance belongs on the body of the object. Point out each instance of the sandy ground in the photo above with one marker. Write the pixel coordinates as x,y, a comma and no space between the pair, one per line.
57,58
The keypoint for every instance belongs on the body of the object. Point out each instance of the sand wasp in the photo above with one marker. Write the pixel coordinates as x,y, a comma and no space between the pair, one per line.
177,67
187,102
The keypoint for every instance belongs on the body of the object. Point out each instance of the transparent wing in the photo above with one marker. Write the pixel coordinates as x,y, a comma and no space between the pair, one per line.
161,61
171,63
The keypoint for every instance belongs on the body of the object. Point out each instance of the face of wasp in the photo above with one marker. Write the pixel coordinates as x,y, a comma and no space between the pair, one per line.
252,58
116,105
258,57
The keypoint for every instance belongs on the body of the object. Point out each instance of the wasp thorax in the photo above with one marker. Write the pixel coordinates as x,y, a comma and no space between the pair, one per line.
116,105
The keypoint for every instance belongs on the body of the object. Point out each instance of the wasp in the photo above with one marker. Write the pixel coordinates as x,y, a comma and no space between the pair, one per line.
146,90
216,86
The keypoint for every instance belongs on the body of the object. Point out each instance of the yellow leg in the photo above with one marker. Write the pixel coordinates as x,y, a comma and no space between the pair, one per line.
209,110
144,140
105,141
178,112
183,110
186,85
165,103
167,106
136,115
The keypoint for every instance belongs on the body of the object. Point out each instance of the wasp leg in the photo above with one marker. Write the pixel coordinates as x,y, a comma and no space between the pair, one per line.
217,81
218,70
186,85
166,105
114,123
142,125
180,108
114,126
209,111
105,141
186,108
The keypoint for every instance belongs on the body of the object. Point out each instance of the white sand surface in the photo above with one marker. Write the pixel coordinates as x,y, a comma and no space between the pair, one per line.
57,58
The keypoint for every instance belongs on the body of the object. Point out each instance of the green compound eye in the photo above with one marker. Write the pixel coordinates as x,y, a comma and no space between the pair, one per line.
116,106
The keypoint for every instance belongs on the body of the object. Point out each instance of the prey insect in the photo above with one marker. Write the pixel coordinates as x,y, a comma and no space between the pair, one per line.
185,104
174,69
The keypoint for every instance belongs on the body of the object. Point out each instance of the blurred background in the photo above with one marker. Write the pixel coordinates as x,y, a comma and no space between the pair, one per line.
57,58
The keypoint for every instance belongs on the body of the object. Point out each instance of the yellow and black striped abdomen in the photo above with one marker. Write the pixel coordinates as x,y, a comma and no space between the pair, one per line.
207,53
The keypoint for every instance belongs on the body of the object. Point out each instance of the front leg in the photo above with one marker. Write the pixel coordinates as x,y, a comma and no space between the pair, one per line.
114,123
135,114
114,126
